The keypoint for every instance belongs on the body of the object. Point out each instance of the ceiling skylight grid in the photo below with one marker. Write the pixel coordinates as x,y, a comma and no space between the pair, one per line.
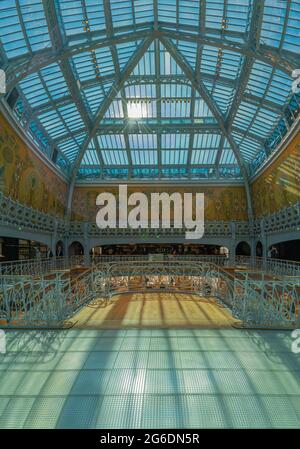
157,117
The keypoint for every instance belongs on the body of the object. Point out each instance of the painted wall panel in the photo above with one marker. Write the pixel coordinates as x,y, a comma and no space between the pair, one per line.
279,185
25,178
221,203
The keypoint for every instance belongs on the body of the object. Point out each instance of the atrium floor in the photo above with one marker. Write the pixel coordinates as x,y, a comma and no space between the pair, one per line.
155,310
149,378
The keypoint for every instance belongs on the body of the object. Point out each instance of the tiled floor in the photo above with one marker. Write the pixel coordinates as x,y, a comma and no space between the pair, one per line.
149,378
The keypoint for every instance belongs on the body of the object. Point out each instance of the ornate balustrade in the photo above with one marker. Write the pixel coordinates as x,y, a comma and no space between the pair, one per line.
17,214
255,301
36,267
287,219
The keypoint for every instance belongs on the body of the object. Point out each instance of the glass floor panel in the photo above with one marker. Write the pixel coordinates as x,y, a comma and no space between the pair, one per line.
157,378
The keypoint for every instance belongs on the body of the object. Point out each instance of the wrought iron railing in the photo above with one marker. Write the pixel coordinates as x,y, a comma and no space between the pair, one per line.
37,267
43,303
255,299
277,267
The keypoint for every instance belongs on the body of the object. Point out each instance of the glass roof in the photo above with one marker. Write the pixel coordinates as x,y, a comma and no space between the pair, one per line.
117,89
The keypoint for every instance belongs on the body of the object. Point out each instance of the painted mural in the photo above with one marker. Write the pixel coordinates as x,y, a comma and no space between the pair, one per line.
25,178
279,185
228,203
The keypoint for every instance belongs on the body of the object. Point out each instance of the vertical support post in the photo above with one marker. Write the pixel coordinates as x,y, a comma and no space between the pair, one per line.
86,244
232,245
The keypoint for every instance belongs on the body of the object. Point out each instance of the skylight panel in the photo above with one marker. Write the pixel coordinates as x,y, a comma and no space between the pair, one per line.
34,90
143,11
73,15
146,65
292,32
140,91
90,158
227,157
221,62
249,148
167,64
71,116
143,141
114,157
176,108
104,61
201,109
166,11
264,122
122,12
53,124
244,115
141,109
189,51
144,157
206,141
259,78
84,67
112,141
95,14
70,147
54,81
175,157
176,91
11,33
175,141
232,18
35,24
93,97
188,13
203,157
125,52
115,110
273,22
280,88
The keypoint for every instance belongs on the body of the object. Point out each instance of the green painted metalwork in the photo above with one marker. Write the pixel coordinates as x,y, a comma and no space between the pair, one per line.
256,299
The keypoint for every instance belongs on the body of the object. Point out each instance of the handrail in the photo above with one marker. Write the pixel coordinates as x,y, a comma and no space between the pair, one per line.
33,267
39,266
44,302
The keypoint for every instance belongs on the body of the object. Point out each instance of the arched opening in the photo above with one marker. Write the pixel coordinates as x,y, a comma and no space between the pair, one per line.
243,249
76,249
59,249
259,249
289,250
21,249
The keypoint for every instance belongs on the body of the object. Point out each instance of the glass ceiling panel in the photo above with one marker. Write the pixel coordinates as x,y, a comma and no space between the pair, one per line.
144,157
273,22
111,141
232,15
143,11
175,141
90,157
23,27
122,12
169,123
95,95
178,157
115,157
291,37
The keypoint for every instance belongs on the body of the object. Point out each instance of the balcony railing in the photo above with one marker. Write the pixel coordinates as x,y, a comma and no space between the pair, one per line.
36,267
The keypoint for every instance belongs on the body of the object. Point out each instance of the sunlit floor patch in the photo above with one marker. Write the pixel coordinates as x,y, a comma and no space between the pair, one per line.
149,378
159,310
